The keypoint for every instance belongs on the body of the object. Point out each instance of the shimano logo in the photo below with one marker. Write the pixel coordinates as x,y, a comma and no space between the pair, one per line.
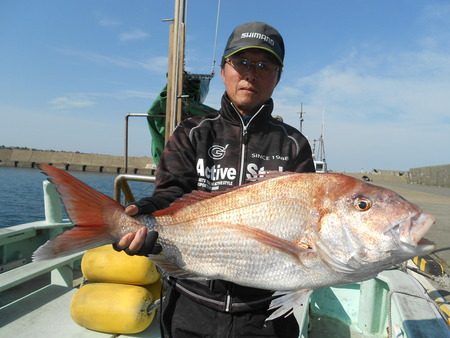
258,36
217,152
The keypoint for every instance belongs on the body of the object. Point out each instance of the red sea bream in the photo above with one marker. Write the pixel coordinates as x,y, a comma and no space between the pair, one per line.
290,232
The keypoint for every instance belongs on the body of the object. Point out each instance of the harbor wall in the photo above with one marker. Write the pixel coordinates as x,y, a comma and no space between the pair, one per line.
386,176
436,175
30,158
75,161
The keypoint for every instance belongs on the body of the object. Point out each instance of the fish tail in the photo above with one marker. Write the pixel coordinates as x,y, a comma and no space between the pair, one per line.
91,211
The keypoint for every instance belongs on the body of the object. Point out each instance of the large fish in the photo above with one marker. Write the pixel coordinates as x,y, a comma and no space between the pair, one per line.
291,232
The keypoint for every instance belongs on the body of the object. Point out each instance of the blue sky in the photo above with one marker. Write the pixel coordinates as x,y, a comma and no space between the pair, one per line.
377,73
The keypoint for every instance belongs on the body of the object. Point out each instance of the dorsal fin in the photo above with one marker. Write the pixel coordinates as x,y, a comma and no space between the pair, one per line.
188,199
198,196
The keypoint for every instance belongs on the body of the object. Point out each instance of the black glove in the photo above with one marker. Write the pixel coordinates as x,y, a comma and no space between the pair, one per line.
145,206
150,247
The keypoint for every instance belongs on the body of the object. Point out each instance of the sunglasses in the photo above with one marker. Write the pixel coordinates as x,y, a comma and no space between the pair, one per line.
242,65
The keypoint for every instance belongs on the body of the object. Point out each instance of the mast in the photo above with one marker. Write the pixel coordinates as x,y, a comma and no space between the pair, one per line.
300,114
318,145
319,154
321,140
175,73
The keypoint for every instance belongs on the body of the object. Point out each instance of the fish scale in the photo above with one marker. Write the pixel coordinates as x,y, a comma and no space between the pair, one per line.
236,256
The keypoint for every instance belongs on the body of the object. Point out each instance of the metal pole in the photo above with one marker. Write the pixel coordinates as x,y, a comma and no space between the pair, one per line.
301,117
126,144
127,117
175,69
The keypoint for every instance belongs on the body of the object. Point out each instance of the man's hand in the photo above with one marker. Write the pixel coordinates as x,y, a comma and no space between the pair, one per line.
141,242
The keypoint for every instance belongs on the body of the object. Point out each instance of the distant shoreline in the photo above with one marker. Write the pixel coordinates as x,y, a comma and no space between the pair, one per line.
21,157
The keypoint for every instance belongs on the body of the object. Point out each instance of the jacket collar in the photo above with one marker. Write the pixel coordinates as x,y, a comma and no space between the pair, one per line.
230,113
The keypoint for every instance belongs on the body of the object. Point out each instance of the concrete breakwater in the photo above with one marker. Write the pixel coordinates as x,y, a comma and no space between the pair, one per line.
432,176
437,175
75,161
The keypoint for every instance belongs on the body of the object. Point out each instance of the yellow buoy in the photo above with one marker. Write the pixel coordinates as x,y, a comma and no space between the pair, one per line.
104,264
112,308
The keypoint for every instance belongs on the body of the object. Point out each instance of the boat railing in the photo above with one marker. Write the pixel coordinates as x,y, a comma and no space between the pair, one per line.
121,186
127,118
20,271
61,270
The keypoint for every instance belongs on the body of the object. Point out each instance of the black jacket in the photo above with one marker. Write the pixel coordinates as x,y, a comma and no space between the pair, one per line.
221,150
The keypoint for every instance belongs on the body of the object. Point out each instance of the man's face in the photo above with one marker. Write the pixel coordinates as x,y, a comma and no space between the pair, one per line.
249,87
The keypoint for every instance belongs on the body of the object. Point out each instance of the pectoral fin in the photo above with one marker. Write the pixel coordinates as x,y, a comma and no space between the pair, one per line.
266,238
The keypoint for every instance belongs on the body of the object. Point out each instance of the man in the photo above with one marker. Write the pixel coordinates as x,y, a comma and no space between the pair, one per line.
216,152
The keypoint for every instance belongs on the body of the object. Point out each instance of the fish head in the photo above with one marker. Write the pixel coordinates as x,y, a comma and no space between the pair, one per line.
364,227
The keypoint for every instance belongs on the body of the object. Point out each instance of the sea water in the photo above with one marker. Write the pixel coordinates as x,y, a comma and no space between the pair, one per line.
21,193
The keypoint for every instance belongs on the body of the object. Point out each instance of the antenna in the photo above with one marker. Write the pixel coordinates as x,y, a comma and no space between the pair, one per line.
215,39
300,114
320,154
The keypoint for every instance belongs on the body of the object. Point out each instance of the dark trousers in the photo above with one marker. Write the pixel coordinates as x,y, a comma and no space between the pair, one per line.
182,317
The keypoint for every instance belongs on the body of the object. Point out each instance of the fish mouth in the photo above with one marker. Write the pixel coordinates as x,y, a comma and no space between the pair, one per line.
410,232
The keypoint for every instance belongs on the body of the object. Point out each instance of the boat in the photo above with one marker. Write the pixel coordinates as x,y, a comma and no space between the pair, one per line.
318,146
320,162
319,152
35,297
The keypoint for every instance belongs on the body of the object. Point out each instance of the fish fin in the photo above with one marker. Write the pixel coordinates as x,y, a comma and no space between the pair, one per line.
266,238
71,241
185,200
197,195
270,175
81,201
89,210
286,302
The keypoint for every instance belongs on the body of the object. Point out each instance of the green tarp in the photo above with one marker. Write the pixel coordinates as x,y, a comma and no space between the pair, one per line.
196,87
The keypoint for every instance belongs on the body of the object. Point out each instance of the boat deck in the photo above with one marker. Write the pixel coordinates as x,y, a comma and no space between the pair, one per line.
45,313
392,300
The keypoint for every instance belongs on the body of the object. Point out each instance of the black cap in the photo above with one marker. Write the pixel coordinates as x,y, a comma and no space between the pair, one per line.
255,35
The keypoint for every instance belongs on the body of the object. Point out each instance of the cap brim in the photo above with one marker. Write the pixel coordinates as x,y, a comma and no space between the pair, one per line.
254,47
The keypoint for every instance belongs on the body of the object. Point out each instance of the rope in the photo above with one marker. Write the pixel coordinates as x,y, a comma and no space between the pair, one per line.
185,16
215,39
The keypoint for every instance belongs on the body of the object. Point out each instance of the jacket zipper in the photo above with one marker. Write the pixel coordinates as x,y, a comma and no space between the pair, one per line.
244,139
244,142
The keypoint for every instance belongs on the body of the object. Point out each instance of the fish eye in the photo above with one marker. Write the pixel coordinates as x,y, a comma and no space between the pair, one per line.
362,203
